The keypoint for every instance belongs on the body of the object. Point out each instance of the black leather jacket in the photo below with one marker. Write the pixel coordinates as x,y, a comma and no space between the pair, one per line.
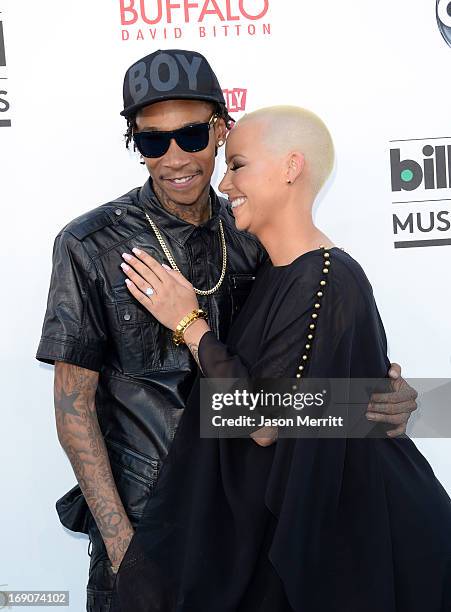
92,321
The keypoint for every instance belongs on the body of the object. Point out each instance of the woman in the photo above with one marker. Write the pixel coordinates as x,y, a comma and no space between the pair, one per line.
271,524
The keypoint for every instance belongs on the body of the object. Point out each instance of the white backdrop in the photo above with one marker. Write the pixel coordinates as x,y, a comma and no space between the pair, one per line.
375,72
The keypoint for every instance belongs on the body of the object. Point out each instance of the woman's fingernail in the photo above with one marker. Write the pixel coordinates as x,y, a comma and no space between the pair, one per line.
167,267
128,281
370,416
136,251
126,256
124,266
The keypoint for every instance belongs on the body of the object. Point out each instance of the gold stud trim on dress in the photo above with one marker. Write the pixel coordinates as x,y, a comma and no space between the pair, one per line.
174,266
314,315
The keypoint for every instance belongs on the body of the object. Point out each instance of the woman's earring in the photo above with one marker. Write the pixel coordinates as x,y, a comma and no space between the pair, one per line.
289,182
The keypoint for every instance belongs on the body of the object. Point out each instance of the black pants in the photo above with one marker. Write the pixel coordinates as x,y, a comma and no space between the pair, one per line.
101,576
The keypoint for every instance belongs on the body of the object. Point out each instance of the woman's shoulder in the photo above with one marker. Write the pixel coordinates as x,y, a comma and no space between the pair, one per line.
348,269
332,267
321,258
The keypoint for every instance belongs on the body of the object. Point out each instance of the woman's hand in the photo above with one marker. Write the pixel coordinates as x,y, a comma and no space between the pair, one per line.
167,294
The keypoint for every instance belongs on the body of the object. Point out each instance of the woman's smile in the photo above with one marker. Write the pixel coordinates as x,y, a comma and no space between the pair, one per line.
236,202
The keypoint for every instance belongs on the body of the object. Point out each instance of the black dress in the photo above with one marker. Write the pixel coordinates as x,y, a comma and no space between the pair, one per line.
310,525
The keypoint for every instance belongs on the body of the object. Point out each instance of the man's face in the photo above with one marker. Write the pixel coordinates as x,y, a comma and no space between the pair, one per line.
179,176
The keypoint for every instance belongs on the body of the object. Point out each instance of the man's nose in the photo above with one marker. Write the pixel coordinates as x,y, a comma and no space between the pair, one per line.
175,156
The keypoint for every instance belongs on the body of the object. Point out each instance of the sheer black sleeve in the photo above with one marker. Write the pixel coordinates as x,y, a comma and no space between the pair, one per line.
217,361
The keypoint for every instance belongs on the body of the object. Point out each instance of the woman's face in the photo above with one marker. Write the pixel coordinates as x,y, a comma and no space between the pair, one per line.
254,178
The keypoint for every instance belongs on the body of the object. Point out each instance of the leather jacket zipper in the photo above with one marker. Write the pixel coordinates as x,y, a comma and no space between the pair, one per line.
139,456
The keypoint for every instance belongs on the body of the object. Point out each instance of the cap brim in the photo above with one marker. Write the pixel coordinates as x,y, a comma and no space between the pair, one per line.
135,107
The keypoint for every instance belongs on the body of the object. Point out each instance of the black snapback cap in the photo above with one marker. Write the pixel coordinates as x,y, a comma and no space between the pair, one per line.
171,74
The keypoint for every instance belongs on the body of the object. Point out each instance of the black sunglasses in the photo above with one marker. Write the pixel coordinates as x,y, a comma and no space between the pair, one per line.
191,138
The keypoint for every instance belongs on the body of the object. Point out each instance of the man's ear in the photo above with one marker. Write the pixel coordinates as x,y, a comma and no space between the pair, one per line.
220,132
295,166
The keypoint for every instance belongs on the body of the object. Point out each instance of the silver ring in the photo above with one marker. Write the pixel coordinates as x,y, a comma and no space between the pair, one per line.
149,291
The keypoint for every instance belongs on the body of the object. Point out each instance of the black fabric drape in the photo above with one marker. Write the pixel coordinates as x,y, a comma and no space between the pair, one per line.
305,524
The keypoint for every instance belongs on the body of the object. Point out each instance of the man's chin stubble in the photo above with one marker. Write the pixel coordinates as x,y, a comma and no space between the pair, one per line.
187,211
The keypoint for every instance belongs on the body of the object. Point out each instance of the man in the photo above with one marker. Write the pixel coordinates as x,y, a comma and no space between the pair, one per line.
120,381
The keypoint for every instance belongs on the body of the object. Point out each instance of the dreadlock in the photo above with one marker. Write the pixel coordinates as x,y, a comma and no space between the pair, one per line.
131,127
220,110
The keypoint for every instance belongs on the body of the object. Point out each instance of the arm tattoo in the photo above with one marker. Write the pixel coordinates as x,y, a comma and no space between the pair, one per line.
67,404
194,348
80,436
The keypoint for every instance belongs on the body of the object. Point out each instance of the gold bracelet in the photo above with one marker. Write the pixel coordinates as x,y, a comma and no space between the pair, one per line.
177,336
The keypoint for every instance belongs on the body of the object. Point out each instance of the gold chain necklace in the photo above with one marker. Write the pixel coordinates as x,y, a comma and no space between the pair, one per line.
174,266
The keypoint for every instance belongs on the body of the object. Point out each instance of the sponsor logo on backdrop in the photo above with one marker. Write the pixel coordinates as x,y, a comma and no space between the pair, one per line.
421,191
4,104
235,99
160,20
444,19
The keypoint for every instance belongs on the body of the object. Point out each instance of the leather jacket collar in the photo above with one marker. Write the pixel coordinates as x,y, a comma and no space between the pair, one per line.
178,229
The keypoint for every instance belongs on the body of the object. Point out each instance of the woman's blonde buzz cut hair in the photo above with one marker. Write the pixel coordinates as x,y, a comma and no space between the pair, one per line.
289,129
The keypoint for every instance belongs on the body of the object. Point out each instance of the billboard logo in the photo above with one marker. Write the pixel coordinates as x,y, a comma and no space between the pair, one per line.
421,169
4,104
444,19
434,172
